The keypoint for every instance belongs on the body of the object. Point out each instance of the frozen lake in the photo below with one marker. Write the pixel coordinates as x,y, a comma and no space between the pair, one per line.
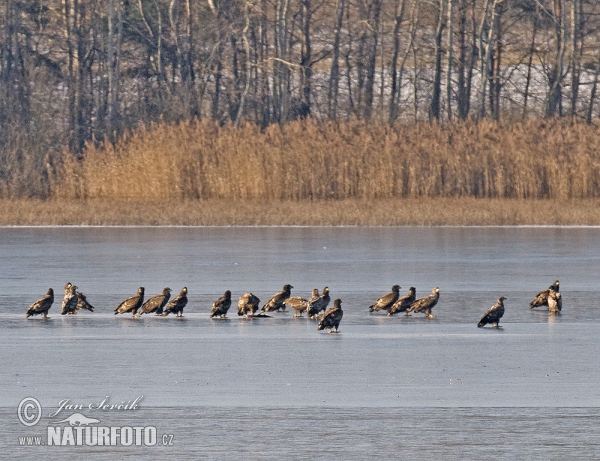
277,388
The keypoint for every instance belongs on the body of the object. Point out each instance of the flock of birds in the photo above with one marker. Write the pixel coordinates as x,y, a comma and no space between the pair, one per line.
316,307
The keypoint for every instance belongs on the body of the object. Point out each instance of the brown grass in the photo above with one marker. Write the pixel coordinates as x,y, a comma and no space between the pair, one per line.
198,173
384,212
312,161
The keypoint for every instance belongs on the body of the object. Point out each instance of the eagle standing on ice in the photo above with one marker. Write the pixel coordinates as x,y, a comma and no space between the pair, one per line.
541,298
156,303
132,304
493,314
426,304
221,306
386,301
332,317
404,302
319,305
278,300
248,303
70,300
299,304
177,304
82,302
42,305
554,302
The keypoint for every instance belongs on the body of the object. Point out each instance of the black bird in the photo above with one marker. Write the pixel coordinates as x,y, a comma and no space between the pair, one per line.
554,302
386,301
493,314
70,300
299,304
542,297
132,304
156,303
332,317
82,302
177,304
426,304
42,305
278,300
319,305
404,302
248,303
221,306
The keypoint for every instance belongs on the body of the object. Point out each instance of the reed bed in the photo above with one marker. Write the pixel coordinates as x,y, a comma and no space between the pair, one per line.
352,161
424,211
309,173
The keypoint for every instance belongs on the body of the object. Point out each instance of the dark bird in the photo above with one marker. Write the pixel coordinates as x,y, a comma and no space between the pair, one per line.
493,314
299,304
156,303
332,317
248,303
177,304
426,304
70,300
319,305
386,301
403,302
554,302
82,302
42,305
132,304
221,306
542,297
278,300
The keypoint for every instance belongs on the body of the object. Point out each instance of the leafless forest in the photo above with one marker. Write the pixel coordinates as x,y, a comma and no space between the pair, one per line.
74,72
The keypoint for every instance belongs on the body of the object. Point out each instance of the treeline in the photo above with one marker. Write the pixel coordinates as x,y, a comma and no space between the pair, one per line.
309,160
80,71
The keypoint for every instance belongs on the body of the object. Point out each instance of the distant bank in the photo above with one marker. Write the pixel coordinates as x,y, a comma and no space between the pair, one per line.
539,172
465,211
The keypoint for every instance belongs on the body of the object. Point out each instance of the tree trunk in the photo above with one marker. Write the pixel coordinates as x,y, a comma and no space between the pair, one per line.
305,60
556,73
394,91
334,73
436,92
530,63
371,66
449,63
281,69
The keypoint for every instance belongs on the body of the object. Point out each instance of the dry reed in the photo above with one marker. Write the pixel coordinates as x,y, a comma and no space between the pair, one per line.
323,161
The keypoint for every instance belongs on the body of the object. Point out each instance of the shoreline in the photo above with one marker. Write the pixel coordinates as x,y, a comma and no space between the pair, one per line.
419,212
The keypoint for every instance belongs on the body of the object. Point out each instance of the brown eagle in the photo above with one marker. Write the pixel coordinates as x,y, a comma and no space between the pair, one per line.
493,314
426,304
403,302
554,302
156,303
132,304
332,317
42,305
70,300
541,298
82,302
177,304
277,302
221,306
248,303
319,305
386,301
299,304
